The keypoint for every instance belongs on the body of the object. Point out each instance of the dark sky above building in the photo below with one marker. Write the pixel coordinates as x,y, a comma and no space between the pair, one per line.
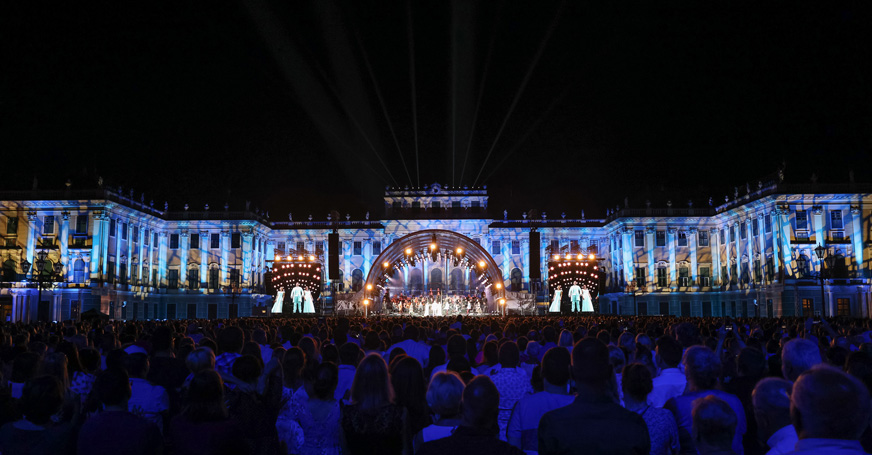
311,106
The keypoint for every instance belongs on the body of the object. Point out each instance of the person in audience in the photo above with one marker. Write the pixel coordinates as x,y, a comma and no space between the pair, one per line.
671,382
443,398
372,423
702,368
512,383
410,389
594,423
165,369
246,407
477,432
203,427
24,368
200,359
436,360
524,422
797,356
771,401
35,433
412,346
751,367
491,359
319,414
146,399
455,348
662,429
565,340
116,430
830,410
714,425
83,381
230,342
350,355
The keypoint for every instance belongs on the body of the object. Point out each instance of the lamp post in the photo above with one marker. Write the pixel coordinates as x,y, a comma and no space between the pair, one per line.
631,290
822,254
40,276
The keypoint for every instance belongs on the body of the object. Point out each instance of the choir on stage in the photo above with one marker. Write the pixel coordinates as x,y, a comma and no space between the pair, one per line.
436,305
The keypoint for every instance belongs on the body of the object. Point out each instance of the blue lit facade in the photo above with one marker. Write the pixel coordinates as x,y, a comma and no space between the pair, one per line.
753,255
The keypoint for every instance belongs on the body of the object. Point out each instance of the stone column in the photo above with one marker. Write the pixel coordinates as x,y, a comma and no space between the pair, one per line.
525,260
204,260
162,259
129,270
670,243
776,247
649,249
96,246
761,245
738,241
184,247
225,256
728,243
64,237
714,245
117,271
104,249
819,235
627,250
785,234
31,237
692,243
752,274
247,238
857,241
140,253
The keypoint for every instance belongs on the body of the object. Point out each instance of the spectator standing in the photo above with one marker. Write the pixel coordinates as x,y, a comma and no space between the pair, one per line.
671,382
147,400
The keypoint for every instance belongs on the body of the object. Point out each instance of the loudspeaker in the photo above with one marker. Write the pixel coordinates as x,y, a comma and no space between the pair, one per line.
333,256
535,260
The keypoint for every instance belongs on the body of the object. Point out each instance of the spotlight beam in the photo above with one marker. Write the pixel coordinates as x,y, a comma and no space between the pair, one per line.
414,91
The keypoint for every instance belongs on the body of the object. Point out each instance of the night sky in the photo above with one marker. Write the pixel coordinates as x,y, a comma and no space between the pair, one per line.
313,106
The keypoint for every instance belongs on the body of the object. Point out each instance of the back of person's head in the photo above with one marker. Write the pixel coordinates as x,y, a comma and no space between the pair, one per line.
533,350
751,362
25,366
714,424
90,359
604,337
590,363
645,340
259,337
324,380
701,367
555,366
565,339
247,368
459,365
636,382
230,339
349,353
771,402
292,364
445,393
205,398
200,359
859,365
115,358
371,388
827,403
617,358
407,379
136,365
509,354
481,405
490,350
310,347
161,339
411,332
41,398
437,355
797,356
112,387
55,364
456,346
669,351
837,356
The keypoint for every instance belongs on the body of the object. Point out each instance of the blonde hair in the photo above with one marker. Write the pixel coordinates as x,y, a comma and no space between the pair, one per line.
200,359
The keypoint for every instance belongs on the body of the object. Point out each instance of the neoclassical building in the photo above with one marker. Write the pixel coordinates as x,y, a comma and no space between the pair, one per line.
755,254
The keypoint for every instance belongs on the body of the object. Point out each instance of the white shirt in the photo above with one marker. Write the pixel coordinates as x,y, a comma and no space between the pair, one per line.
148,400
346,378
670,383
414,349
782,441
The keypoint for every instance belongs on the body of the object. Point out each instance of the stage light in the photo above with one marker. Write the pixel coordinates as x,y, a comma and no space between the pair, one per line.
591,256
502,301
481,264
580,256
311,257
386,264
368,287
459,251
408,251
278,257
290,257
556,257
568,256
366,301
432,246
301,257
499,286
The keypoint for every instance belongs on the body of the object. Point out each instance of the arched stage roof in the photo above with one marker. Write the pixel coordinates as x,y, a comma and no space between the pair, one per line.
448,243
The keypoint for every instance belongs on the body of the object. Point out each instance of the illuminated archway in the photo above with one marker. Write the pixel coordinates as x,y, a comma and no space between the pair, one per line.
460,249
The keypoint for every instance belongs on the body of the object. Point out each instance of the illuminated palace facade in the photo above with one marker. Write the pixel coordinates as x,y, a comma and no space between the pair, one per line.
753,255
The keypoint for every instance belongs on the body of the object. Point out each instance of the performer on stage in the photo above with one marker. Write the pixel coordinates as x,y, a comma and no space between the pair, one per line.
297,296
575,296
427,308
308,304
586,302
277,307
555,305
468,306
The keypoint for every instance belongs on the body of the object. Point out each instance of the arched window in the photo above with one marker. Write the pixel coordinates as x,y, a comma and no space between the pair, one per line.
79,271
416,280
436,279
214,277
356,280
517,280
455,280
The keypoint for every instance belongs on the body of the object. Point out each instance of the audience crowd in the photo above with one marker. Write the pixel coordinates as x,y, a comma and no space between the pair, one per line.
442,386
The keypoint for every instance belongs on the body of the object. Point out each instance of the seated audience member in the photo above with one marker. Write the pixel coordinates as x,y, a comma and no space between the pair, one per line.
455,349
751,366
146,399
671,382
200,359
714,424
478,429
797,356
349,356
830,410
702,367
372,423
203,427
771,400
41,398
319,413
443,398
512,383
230,343
524,422
662,428
83,381
115,430
594,423
410,390
246,407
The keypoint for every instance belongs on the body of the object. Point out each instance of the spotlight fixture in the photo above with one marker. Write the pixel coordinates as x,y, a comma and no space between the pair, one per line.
386,264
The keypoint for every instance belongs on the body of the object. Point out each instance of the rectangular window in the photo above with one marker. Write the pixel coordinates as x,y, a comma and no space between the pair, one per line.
376,248
476,204
755,227
640,238
154,237
767,224
801,219
661,277
319,248
416,205
358,249
758,271
123,231
641,273
660,238
592,249
682,238
724,276
770,267
213,279
838,235
145,236
573,246
807,308
234,277
516,247
135,233
733,233
215,241
801,235
683,277
235,240
48,224
12,225
495,248
704,276
435,205
836,219
82,224
112,228
173,278
843,307
195,241
455,206
722,234
555,246
174,241
280,246
702,238
300,247
743,230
